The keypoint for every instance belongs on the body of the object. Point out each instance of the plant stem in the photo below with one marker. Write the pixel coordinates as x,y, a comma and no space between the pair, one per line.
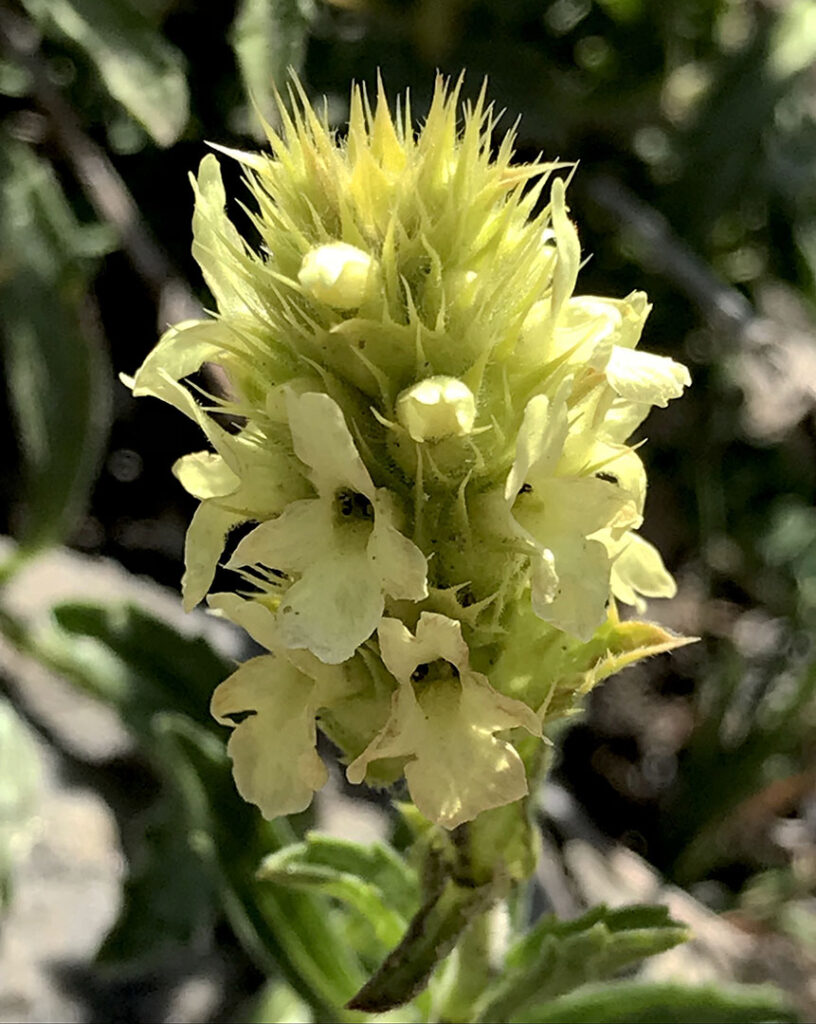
431,935
470,971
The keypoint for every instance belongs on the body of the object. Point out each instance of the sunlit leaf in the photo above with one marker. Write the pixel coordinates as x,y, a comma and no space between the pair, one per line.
280,1003
556,957
663,1003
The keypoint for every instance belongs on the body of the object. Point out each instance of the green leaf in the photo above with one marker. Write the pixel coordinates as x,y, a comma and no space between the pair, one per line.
136,662
281,930
140,69
556,957
269,37
56,368
277,1002
373,879
142,667
19,790
169,900
663,1003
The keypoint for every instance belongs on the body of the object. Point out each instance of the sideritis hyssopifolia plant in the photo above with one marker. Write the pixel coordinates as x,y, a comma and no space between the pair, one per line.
423,436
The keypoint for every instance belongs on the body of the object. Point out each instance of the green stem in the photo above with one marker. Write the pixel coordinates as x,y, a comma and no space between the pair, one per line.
432,934
470,971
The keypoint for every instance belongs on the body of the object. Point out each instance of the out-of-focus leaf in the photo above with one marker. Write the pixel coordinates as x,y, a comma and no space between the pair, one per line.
722,150
793,41
57,374
732,772
371,879
160,682
19,788
281,930
14,79
280,1003
667,1003
622,10
556,957
140,69
169,899
268,37
141,665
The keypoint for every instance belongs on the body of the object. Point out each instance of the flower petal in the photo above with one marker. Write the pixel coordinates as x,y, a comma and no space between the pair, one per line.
469,770
275,763
569,249
217,246
540,439
251,615
643,377
323,442
205,475
544,577
401,566
300,535
181,351
333,608
574,506
458,768
437,636
579,604
206,537
637,568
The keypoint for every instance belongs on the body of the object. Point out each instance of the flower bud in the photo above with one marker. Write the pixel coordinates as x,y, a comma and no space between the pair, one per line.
437,407
337,274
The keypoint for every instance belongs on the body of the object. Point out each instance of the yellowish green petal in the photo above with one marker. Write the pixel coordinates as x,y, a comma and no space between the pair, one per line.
181,351
437,407
302,534
578,604
540,440
206,537
638,569
324,443
645,378
333,608
338,274
205,475
446,724
275,763
399,564
569,250
252,615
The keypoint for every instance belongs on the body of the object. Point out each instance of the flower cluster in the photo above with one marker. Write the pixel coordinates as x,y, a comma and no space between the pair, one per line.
423,441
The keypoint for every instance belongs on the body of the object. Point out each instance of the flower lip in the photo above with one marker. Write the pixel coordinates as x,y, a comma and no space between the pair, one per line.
444,719
342,546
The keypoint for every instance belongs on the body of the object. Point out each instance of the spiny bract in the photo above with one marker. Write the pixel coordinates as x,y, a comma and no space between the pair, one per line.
429,433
